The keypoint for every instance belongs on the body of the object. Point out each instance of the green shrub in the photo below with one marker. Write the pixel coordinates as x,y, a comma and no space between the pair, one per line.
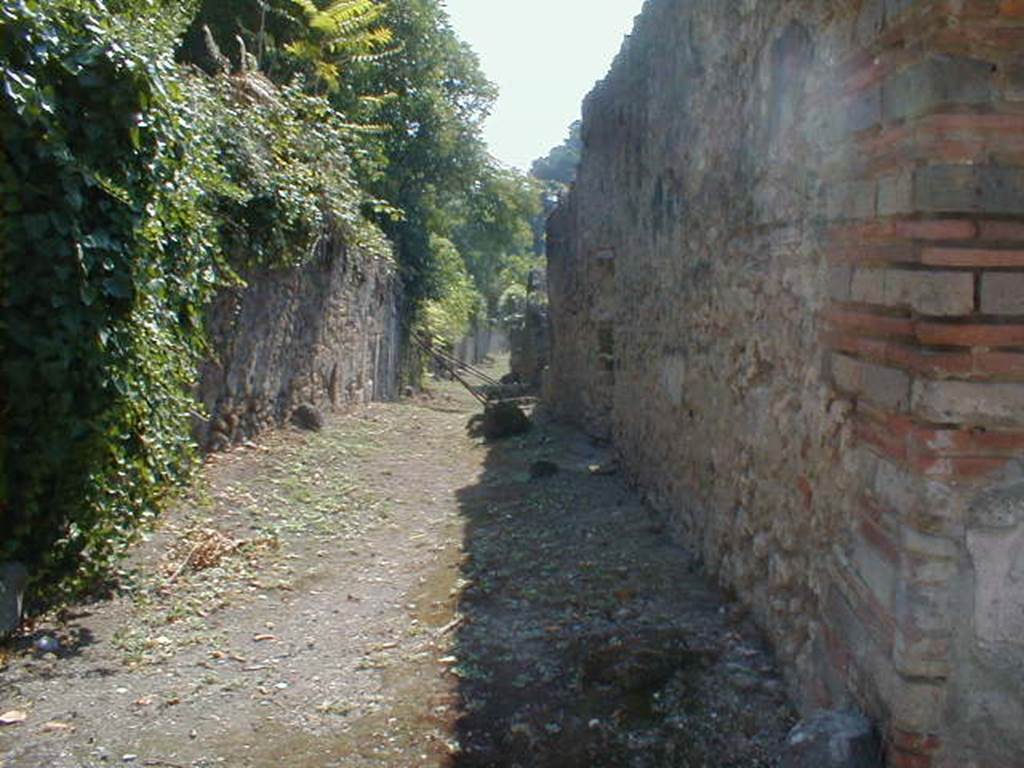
283,177
124,179
449,317
107,263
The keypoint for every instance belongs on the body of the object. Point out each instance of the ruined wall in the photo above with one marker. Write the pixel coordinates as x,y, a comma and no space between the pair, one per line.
528,335
789,284
326,334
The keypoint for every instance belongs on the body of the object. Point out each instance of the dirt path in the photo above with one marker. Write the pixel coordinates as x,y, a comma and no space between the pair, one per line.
391,592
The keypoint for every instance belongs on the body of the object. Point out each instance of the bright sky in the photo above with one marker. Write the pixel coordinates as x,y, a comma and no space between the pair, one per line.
545,56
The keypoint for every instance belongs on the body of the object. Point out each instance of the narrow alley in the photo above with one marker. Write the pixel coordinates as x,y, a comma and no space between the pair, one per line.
391,591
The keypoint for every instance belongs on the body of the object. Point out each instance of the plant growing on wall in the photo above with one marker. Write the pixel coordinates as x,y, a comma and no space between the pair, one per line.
130,190
107,263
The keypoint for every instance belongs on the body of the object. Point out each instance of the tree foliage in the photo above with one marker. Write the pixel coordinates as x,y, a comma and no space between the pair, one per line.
413,97
492,227
338,35
559,165
448,317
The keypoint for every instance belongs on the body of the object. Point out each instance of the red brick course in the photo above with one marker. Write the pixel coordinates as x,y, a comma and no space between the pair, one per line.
968,334
972,257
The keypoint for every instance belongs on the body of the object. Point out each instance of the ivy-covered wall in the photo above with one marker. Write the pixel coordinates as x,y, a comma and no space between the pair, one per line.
134,191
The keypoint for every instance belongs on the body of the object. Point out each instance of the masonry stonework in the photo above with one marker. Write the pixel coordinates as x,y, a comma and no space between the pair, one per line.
325,334
788,284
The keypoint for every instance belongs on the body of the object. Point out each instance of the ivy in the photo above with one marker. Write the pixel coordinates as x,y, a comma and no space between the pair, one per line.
130,188
107,263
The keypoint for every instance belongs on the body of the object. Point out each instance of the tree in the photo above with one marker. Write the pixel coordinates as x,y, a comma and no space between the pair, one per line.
448,317
414,97
344,32
429,157
555,172
494,227
559,165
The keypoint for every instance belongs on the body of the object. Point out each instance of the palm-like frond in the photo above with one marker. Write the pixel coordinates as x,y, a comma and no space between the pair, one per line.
343,32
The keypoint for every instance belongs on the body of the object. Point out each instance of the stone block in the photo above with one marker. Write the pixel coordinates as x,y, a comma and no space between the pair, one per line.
882,386
13,579
924,606
938,81
839,282
929,546
896,194
851,200
878,572
868,286
864,111
969,403
870,20
833,739
969,189
930,293
918,706
998,559
1014,72
922,657
894,9
924,571
1002,293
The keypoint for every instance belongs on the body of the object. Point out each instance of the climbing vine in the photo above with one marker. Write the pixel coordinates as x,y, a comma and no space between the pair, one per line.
107,264
134,185
131,188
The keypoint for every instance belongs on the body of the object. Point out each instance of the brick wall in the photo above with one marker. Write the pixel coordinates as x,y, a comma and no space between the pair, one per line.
788,283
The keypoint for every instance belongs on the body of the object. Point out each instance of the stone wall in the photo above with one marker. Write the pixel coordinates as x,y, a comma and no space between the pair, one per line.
481,342
789,284
528,336
325,334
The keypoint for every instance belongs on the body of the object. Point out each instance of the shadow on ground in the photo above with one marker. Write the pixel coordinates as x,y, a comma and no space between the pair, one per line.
588,638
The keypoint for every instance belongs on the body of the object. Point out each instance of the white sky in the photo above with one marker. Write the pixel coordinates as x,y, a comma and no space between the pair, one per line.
545,56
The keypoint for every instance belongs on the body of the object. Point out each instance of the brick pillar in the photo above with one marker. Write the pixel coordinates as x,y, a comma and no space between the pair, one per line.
925,324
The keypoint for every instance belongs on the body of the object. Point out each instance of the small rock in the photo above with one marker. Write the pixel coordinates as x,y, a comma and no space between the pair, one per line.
306,416
57,726
218,442
13,717
833,739
13,578
47,644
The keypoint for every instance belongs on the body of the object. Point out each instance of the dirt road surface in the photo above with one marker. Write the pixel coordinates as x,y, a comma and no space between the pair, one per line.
391,591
